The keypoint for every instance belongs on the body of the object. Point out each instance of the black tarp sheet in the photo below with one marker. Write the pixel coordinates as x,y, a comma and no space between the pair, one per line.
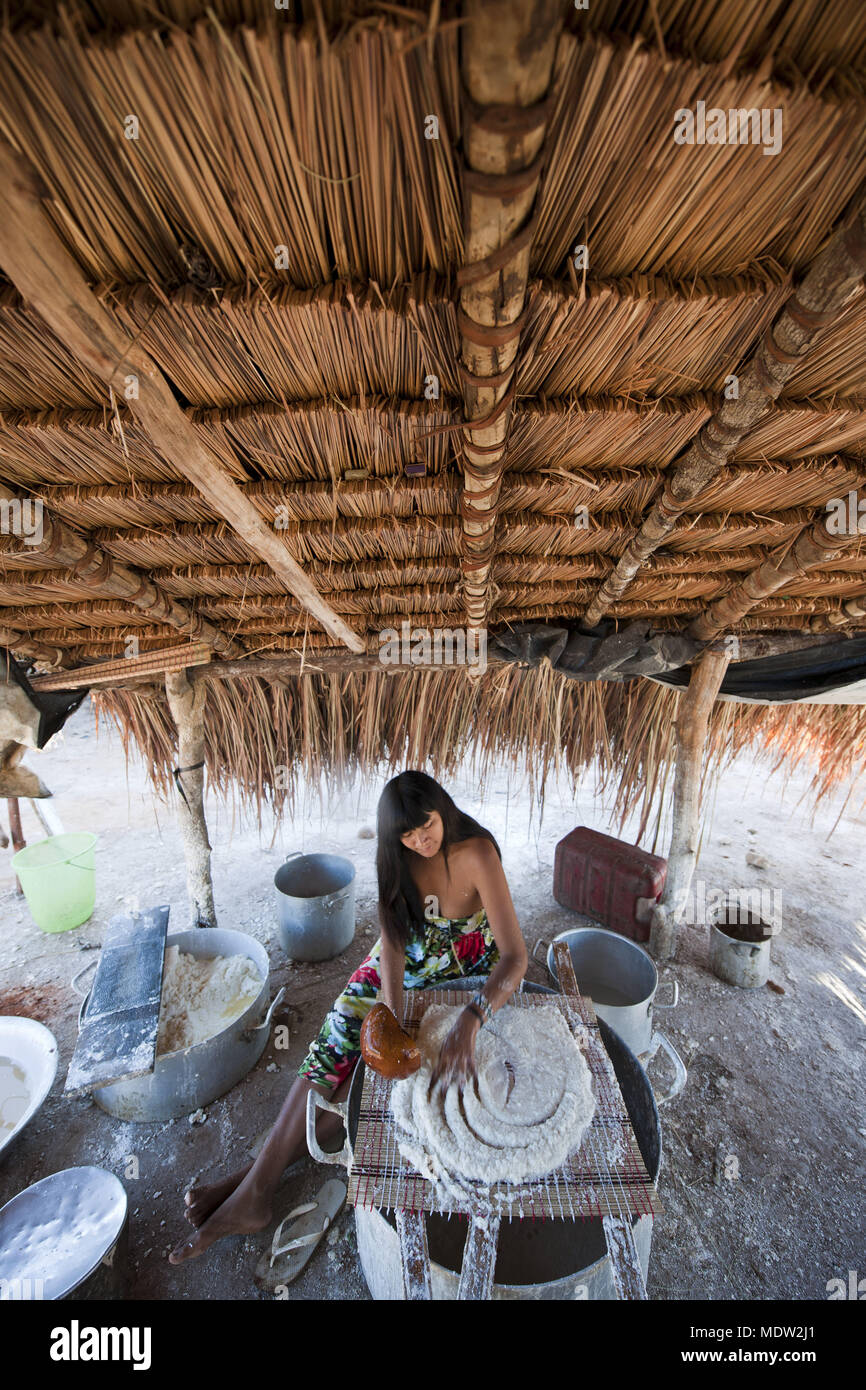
798,675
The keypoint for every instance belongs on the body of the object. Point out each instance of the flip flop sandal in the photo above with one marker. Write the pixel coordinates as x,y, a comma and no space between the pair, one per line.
290,1251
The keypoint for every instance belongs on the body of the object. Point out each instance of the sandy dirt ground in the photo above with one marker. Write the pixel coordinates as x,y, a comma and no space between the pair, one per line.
763,1152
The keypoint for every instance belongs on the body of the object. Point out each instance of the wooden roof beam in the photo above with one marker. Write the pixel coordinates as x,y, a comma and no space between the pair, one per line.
46,275
818,300
814,547
100,573
22,644
507,64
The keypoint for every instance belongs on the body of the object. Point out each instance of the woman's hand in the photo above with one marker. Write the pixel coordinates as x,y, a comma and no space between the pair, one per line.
457,1055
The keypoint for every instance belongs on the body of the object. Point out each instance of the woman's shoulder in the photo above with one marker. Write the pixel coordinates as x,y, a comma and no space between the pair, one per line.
475,850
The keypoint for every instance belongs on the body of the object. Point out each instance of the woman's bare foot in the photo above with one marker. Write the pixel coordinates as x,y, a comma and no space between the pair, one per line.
202,1199
242,1212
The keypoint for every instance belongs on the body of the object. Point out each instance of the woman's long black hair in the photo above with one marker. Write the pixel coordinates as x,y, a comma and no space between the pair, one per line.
404,805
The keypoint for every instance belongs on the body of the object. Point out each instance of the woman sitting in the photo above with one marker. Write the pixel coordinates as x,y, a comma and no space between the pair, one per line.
445,912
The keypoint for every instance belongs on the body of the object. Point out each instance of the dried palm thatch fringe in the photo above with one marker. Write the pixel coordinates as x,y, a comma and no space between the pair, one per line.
642,335
739,489
330,730
320,443
805,36
639,336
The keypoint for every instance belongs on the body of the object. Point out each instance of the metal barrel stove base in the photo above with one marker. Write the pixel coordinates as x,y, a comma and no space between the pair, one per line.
536,1260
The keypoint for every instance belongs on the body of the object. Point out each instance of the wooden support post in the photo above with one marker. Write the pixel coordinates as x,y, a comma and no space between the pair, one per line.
693,716
18,841
187,703
415,1257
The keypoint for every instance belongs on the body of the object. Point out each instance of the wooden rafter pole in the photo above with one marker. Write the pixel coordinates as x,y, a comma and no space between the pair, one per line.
829,283
48,278
187,703
507,62
852,610
693,715
98,571
15,641
815,546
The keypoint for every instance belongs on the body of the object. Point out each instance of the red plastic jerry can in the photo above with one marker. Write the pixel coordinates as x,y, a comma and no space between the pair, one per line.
609,880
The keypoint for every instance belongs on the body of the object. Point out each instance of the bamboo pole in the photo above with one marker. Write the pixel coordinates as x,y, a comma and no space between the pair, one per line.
693,714
125,669
829,283
187,703
50,280
815,546
98,571
507,61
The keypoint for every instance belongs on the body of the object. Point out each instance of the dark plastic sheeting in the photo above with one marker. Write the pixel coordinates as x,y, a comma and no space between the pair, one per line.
792,676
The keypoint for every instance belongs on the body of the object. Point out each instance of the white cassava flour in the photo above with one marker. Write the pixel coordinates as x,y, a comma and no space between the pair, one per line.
201,996
533,1104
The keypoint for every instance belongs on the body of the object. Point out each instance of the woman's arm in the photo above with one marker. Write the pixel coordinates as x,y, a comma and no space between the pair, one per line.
392,967
457,1056
495,896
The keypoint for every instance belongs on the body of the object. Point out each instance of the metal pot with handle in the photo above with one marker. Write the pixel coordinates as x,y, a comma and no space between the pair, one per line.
191,1078
315,905
622,981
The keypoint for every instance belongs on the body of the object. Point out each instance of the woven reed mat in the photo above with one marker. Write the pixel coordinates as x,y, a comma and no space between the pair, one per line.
606,1176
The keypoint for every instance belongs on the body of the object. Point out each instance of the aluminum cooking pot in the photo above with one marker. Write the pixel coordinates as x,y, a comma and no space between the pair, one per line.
315,905
621,979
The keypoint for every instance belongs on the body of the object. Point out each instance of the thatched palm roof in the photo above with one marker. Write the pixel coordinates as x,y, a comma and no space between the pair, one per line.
304,129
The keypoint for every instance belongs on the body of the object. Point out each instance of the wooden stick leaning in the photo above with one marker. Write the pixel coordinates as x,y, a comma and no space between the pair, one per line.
46,275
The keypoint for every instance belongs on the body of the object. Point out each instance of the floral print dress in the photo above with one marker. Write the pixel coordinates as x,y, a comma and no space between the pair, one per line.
443,949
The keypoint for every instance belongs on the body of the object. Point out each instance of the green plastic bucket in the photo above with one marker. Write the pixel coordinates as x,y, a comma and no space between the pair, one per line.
58,879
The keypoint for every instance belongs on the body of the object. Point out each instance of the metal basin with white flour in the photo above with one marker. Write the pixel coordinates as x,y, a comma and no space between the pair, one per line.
535,1259
28,1065
184,1081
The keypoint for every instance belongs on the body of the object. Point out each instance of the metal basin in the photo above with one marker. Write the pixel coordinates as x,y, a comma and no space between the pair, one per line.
64,1236
28,1066
535,1259
185,1081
